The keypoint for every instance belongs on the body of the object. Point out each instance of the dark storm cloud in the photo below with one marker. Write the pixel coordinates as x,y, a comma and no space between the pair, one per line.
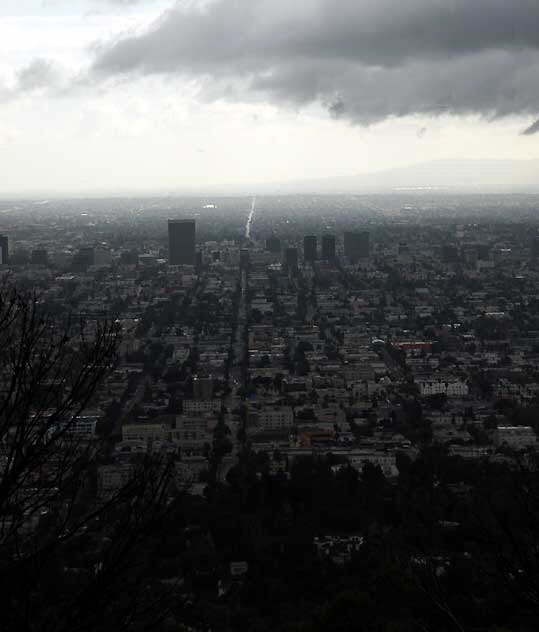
364,60
337,107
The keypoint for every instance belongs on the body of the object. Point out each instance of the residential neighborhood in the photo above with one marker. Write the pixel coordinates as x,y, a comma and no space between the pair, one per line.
263,366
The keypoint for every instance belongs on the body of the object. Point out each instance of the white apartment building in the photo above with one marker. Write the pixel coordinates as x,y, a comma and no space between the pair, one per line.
200,407
471,451
440,387
276,418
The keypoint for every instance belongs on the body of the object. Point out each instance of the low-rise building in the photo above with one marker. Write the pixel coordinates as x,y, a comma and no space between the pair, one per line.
440,387
200,406
145,432
277,418
193,432
111,478
516,437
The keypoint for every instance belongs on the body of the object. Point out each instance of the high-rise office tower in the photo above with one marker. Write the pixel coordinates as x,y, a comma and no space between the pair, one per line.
328,247
88,254
356,245
310,248
273,244
181,242
83,259
4,245
291,259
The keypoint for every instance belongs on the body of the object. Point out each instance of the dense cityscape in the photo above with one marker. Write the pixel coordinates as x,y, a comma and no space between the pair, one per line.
329,406
269,316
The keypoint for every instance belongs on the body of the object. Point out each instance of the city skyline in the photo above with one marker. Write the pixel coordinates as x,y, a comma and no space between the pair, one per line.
269,417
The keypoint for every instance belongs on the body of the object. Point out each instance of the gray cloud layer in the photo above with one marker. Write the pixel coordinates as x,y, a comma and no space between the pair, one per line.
364,60
39,73
38,76
532,129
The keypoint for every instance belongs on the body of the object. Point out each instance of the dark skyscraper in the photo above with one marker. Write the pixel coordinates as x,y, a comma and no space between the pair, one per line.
356,245
273,244
310,248
328,247
181,242
291,259
83,259
4,244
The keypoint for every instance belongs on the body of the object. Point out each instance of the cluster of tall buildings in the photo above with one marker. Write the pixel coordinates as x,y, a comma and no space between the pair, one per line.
182,248
310,248
356,247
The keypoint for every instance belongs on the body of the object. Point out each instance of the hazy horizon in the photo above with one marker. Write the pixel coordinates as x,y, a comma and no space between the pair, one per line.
108,96
443,176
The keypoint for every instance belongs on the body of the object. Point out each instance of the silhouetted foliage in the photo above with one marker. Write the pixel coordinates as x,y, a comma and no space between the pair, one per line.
69,558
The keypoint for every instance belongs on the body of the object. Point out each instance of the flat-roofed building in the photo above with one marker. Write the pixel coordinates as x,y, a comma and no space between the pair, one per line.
310,248
145,432
181,242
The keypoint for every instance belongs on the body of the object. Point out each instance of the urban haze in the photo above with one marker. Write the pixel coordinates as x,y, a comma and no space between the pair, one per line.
269,315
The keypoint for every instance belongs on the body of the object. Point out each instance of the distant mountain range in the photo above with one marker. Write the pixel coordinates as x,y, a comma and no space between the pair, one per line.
452,175
439,176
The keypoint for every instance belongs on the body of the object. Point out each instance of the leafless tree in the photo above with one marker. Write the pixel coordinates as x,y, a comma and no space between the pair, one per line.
54,529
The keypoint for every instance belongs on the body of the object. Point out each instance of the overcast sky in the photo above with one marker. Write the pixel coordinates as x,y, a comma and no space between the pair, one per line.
105,95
